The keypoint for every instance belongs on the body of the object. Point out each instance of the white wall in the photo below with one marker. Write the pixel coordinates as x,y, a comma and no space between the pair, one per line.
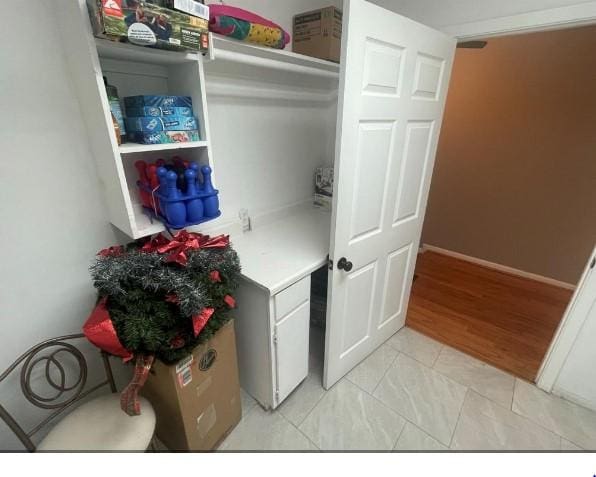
52,213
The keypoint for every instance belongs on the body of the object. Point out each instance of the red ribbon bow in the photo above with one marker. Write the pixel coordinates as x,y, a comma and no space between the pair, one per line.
182,242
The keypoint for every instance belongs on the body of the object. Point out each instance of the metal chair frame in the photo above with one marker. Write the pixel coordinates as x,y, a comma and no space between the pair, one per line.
31,360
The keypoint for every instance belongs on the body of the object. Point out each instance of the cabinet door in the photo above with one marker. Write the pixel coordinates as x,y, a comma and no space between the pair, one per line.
393,83
291,350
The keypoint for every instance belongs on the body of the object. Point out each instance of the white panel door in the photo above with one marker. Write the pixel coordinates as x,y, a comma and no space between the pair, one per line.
393,84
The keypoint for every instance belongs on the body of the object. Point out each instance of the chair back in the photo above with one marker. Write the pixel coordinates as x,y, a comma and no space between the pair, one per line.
51,356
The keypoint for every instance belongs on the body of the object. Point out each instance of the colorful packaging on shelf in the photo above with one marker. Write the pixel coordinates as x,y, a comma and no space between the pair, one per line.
152,124
147,24
157,101
157,111
164,137
324,187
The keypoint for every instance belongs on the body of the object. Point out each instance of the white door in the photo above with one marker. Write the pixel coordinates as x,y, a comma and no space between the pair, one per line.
393,84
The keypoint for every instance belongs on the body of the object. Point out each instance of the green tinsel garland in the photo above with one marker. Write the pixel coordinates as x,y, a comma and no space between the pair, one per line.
152,301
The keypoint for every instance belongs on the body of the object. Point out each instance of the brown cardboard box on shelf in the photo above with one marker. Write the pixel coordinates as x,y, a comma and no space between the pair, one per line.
318,33
197,400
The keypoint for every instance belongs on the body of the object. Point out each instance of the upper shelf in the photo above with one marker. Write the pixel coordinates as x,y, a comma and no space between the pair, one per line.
131,147
142,54
242,52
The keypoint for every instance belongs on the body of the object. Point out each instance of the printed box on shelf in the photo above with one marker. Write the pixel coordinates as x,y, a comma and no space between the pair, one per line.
157,124
164,137
157,101
158,111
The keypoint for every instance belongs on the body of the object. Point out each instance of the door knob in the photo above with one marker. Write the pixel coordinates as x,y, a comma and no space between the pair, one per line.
344,265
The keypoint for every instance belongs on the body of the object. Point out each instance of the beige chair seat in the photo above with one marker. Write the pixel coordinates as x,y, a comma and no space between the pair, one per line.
100,425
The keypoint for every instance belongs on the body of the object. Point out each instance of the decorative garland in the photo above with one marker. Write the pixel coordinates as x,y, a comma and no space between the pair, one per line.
160,299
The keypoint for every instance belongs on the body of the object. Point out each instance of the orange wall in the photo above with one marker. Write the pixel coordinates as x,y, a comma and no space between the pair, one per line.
515,176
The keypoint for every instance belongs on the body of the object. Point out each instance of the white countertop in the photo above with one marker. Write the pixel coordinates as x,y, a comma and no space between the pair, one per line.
276,255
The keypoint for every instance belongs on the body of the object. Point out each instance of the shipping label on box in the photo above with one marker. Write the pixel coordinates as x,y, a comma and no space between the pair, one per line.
157,124
158,111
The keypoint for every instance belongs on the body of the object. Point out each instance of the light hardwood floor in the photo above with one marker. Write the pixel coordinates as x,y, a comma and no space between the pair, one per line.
501,319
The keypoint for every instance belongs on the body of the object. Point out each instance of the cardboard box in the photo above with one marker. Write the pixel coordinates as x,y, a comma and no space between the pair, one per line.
197,401
318,34
147,24
157,124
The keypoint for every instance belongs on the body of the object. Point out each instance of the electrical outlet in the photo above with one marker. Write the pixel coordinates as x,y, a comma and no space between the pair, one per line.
244,219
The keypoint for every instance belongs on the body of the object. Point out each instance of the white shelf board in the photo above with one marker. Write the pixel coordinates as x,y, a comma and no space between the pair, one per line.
131,148
144,227
234,50
275,255
142,54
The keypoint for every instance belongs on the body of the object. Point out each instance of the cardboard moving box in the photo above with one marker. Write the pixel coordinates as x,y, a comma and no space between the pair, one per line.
318,34
197,400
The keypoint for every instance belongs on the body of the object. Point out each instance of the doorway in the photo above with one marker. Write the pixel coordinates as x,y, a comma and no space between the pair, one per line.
512,193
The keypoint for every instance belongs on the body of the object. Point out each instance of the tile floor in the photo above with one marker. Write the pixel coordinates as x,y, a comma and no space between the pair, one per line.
413,393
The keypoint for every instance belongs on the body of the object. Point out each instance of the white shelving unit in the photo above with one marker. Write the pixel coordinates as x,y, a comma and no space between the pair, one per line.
133,70
244,70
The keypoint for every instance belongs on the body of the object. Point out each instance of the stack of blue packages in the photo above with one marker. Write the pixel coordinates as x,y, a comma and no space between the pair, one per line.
160,119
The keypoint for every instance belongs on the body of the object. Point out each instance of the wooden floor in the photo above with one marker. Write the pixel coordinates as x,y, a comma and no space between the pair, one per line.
504,320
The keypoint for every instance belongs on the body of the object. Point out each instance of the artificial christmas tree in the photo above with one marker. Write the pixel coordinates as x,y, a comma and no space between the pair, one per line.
161,299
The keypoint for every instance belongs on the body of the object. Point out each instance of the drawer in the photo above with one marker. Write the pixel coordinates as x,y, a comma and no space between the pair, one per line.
290,298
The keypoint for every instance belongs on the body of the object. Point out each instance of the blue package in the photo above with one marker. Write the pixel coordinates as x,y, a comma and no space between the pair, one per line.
157,111
156,124
164,137
157,101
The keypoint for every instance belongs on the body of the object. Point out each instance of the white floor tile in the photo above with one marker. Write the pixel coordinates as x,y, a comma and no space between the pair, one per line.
569,446
347,418
429,399
416,345
484,425
304,398
260,430
415,439
487,381
575,423
368,374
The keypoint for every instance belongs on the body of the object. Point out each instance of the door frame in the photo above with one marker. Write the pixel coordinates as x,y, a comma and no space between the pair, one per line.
567,332
572,16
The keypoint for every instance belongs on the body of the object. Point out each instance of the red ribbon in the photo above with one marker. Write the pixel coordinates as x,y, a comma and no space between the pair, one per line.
199,321
182,242
114,251
129,398
99,329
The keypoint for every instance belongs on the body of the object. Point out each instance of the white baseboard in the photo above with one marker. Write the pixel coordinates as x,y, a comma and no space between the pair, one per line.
498,266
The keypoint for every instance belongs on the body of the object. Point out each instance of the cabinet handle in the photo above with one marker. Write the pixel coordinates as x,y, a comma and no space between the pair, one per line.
344,264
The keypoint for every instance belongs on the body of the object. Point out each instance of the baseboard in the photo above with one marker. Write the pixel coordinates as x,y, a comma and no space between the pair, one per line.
498,266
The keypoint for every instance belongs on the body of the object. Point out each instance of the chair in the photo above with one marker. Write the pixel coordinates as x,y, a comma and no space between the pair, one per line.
98,424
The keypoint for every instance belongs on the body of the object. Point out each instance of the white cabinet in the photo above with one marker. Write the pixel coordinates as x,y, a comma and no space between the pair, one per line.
272,340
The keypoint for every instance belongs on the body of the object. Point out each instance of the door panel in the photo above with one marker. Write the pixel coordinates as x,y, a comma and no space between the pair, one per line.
393,85
291,350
